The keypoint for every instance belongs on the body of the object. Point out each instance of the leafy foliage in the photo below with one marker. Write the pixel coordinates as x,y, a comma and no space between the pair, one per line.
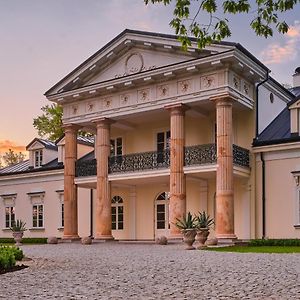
18,226
10,158
49,124
187,222
203,220
265,20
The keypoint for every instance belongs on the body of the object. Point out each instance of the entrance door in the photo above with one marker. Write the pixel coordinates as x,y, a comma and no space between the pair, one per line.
162,225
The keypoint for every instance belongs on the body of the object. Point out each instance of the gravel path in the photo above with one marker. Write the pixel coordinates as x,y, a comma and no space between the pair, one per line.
139,271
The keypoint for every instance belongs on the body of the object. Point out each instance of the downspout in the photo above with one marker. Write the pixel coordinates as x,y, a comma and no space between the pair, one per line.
91,213
263,195
256,104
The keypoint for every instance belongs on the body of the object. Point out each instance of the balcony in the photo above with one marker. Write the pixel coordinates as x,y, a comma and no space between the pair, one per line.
153,160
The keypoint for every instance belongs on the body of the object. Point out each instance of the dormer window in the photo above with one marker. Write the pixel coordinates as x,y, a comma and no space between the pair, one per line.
38,158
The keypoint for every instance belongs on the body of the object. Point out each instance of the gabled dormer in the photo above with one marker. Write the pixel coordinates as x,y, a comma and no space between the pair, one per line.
294,106
84,146
41,152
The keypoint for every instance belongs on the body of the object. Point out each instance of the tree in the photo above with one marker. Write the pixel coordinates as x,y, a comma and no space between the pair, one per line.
11,158
265,20
49,124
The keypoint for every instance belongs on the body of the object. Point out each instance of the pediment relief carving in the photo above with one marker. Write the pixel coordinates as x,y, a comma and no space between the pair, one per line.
136,61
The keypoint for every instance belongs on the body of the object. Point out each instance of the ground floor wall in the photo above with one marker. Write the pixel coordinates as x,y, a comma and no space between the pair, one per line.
137,213
282,214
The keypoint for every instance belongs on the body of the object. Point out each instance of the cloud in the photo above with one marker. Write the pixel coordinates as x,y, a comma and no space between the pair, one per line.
7,144
277,53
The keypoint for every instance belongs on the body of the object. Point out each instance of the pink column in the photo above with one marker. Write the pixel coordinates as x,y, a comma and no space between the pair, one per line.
177,207
70,189
224,180
103,202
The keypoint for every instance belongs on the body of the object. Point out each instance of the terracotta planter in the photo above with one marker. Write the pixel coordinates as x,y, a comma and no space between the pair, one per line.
202,234
189,238
18,235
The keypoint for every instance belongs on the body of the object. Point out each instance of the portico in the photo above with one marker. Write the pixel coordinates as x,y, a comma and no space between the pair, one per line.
174,128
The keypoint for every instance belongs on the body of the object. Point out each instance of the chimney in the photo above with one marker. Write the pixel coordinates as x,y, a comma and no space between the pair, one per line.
296,78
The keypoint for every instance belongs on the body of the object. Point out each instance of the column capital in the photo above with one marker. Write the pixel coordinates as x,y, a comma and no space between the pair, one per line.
71,127
177,108
103,122
224,99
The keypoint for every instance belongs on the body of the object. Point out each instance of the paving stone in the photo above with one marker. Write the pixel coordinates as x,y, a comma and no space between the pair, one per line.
137,271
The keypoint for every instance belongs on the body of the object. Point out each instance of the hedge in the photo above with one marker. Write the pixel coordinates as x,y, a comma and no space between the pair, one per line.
274,242
24,241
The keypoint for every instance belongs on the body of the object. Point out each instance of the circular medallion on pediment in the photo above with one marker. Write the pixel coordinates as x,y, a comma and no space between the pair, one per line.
134,63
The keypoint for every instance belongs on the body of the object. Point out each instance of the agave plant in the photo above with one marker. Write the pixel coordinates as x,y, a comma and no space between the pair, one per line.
187,222
203,220
18,226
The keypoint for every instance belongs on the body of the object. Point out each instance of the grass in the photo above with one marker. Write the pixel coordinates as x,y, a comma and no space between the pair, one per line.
258,249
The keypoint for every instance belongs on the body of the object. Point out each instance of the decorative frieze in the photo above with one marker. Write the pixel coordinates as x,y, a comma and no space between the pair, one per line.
202,85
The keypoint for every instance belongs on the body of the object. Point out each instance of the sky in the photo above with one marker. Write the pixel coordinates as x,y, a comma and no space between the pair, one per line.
43,40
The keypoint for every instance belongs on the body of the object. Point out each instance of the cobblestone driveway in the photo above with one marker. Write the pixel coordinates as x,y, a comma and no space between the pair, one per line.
136,271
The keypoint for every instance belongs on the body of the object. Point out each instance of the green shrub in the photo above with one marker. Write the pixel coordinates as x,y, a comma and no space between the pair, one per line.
34,240
16,252
24,241
7,257
275,242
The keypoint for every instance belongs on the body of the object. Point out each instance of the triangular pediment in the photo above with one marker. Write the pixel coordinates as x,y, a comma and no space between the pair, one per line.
129,53
137,60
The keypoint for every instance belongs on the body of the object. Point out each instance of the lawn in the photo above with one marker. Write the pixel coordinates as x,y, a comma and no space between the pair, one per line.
258,249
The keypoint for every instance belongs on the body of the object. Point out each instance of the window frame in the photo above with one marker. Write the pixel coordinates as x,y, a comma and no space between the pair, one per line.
117,205
38,214
297,208
10,221
38,158
114,147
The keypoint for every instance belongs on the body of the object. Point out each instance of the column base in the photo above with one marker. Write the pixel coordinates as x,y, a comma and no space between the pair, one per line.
70,238
228,239
104,238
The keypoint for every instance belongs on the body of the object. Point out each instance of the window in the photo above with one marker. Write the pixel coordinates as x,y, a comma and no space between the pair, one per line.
117,213
162,211
116,150
62,216
297,208
38,158
116,147
9,216
38,216
162,144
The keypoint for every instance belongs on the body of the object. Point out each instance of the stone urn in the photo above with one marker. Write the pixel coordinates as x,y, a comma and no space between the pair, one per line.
18,235
189,238
202,234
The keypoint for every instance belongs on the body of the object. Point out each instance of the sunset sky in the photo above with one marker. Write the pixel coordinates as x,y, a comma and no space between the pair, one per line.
42,41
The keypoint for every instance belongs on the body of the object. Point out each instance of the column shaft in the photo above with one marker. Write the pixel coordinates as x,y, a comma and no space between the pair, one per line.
70,189
103,202
224,180
177,206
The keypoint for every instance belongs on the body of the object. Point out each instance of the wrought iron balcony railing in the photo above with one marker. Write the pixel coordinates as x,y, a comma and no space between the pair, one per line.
139,161
193,155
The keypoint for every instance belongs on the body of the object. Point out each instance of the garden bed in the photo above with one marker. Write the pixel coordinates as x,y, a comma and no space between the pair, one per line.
8,257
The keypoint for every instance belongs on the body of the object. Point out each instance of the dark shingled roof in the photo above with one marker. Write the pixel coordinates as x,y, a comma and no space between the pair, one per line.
279,130
46,143
23,167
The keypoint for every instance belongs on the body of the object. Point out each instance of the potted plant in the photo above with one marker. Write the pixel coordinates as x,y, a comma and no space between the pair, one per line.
187,227
18,229
203,224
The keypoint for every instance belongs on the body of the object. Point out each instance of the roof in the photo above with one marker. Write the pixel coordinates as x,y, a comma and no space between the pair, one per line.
151,34
279,130
83,140
23,167
46,143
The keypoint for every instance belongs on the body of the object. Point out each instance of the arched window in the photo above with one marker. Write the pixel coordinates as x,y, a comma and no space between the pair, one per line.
117,212
162,211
